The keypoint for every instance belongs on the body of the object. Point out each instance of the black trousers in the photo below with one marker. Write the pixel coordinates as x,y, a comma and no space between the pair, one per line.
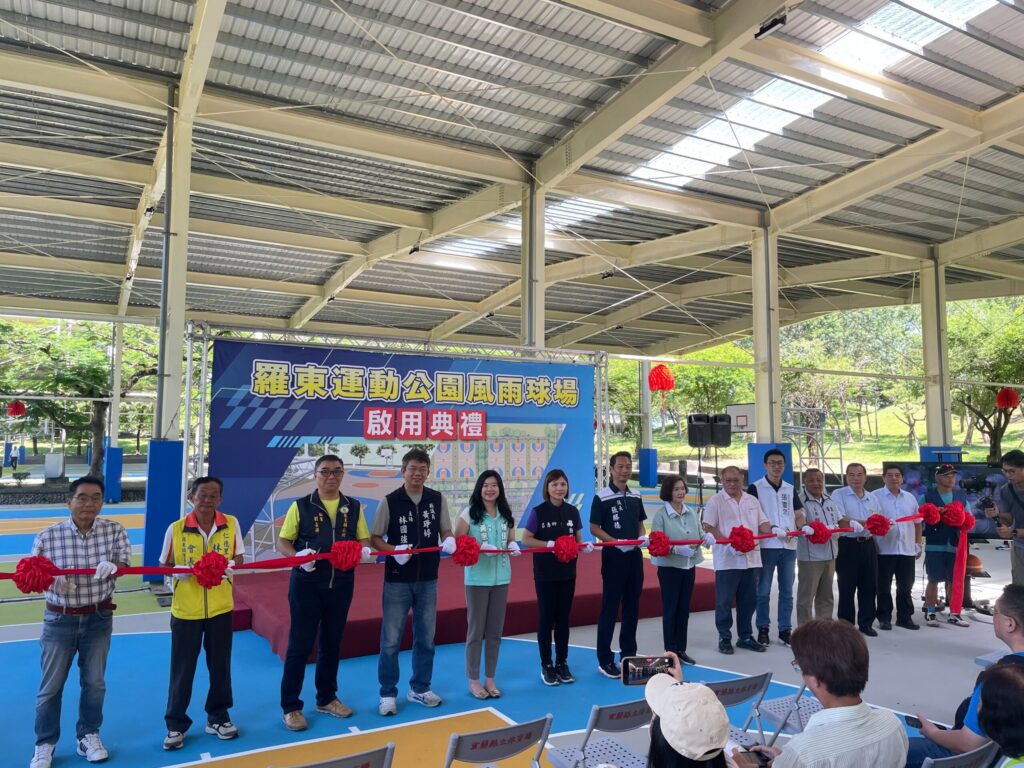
554,602
213,636
676,591
857,574
622,579
315,609
902,567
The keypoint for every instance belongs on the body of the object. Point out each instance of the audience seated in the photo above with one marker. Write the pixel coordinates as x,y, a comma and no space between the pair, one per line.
1001,709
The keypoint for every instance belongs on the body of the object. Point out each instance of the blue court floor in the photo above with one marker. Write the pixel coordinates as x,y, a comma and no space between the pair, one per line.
137,688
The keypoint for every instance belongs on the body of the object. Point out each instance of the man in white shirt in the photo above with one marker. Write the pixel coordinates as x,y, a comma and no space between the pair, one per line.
816,562
784,512
735,572
856,553
833,660
897,550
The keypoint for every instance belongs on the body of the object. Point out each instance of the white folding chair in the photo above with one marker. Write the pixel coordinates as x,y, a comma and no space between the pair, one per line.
733,693
499,743
982,757
375,758
789,714
614,718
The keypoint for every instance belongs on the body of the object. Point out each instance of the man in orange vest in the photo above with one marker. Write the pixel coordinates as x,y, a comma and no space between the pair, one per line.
201,618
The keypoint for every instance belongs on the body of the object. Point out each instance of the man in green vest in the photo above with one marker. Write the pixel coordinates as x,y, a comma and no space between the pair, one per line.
201,618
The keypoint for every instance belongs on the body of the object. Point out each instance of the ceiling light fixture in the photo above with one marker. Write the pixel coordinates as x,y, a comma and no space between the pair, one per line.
771,26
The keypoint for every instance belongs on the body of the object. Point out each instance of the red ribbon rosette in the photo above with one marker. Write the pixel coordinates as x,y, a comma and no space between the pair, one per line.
877,525
932,514
345,555
467,551
953,514
968,524
34,574
742,539
209,569
658,544
821,533
567,550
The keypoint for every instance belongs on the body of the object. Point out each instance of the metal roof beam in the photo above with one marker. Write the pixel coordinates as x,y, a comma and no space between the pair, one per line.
862,239
668,19
681,67
982,241
989,265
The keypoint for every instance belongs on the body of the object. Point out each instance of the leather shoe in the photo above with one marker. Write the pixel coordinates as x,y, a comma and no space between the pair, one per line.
908,624
725,646
884,625
335,709
751,645
295,721
869,631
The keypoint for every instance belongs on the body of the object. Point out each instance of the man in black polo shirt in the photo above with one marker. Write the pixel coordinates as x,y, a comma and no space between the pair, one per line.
410,517
618,513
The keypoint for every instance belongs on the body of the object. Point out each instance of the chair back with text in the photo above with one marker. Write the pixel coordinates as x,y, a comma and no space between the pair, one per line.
740,690
499,743
375,758
982,757
613,718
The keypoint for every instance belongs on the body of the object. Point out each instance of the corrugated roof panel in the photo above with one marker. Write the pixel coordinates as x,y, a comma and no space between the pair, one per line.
808,29
855,9
702,313
914,71
595,299
60,286
28,181
459,287
252,303
61,237
862,115
636,338
980,56
381,315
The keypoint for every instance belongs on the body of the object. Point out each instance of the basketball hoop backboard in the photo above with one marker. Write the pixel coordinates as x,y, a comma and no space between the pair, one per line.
742,417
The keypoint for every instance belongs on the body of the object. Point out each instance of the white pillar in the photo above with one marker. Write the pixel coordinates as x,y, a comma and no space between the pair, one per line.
167,425
531,321
114,418
938,415
646,431
767,379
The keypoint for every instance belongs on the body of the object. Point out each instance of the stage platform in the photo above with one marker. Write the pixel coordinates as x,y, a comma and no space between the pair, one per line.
262,603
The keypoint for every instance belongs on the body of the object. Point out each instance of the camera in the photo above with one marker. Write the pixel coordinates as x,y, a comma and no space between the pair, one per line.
977,484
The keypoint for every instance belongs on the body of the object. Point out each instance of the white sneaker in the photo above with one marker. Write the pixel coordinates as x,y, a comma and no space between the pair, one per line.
43,756
427,698
91,748
387,706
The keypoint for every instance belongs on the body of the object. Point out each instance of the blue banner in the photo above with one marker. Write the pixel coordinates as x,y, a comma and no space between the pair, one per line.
274,408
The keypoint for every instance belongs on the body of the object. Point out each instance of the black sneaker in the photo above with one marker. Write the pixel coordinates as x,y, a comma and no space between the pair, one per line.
683,657
725,646
751,645
908,624
610,670
885,625
869,631
548,675
762,636
563,673
784,635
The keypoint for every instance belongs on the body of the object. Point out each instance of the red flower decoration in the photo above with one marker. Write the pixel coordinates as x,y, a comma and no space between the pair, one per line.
467,551
345,555
953,514
209,569
878,525
566,549
1007,399
742,539
968,524
658,544
821,533
932,514
34,574
660,379
16,409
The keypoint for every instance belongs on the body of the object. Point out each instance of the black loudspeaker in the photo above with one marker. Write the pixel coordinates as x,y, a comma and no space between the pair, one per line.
698,430
721,430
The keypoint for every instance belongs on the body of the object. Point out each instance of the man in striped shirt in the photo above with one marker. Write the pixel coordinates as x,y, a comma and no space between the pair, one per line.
79,618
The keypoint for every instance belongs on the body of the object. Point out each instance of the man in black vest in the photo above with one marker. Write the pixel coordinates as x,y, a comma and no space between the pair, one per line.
411,517
318,595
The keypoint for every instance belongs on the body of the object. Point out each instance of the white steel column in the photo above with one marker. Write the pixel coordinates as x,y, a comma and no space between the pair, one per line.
531,333
767,379
937,399
116,353
172,330
646,431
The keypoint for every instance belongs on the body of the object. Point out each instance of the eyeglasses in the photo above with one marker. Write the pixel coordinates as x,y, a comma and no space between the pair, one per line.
330,472
794,665
417,470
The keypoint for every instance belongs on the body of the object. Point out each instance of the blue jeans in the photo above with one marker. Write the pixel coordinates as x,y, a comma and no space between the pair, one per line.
920,748
739,584
783,561
399,597
64,636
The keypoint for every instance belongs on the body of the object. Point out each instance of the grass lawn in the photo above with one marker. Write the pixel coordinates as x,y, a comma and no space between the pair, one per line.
29,611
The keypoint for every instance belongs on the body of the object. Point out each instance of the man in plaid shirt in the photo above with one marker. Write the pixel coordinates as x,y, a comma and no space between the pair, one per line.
79,618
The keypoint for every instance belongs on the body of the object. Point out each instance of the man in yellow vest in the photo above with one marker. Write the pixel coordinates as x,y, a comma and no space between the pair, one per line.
201,618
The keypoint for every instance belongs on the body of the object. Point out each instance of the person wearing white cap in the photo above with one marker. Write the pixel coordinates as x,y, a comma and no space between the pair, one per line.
690,727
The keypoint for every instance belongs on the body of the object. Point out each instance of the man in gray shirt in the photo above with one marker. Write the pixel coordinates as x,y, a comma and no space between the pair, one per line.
1010,503
816,563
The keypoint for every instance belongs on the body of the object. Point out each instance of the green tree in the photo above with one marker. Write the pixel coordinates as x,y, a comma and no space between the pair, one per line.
360,451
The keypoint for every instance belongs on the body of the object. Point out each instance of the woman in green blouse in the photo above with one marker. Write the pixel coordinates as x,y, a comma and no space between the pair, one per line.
488,519
676,572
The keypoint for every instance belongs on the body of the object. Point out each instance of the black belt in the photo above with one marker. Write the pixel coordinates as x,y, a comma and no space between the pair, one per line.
82,610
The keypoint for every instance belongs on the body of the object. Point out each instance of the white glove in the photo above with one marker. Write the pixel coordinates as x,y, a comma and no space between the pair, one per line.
487,547
105,570
402,559
808,530
780,533
514,546
709,539
550,544
917,550
736,551
857,527
311,565
229,572
588,547
448,545
367,555
644,541
683,550
625,547
62,585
